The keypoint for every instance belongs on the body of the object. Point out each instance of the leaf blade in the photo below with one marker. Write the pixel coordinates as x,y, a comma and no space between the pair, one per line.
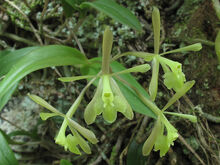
115,11
42,57
6,155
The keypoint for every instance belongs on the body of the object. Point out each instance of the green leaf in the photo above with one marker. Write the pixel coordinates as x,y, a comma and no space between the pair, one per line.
41,57
217,46
65,162
115,11
134,155
70,6
9,139
31,134
6,155
7,96
9,57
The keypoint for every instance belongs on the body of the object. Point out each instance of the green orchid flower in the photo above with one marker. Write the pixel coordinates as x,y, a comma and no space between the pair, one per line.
108,99
174,78
71,141
158,139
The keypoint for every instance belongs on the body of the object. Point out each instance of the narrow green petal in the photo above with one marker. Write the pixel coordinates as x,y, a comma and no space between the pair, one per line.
89,135
98,106
120,102
194,47
154,79
146,56
149,143
156,27
45,116
83,144
140,68
106,50
129,112
97,99
43,103
192,118
71,79
89,113
95,106
179,94
72,142
217,46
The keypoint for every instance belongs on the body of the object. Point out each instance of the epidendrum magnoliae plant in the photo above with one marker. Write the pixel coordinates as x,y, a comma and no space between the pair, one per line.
108,98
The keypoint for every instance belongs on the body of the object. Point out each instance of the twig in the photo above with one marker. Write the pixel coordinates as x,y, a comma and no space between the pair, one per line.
191,149
26,17
26,3
209,117
116,149
73,31
19,39
103,155
139,136
172,157
11,123
200,132
42,15
97,161
79,44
